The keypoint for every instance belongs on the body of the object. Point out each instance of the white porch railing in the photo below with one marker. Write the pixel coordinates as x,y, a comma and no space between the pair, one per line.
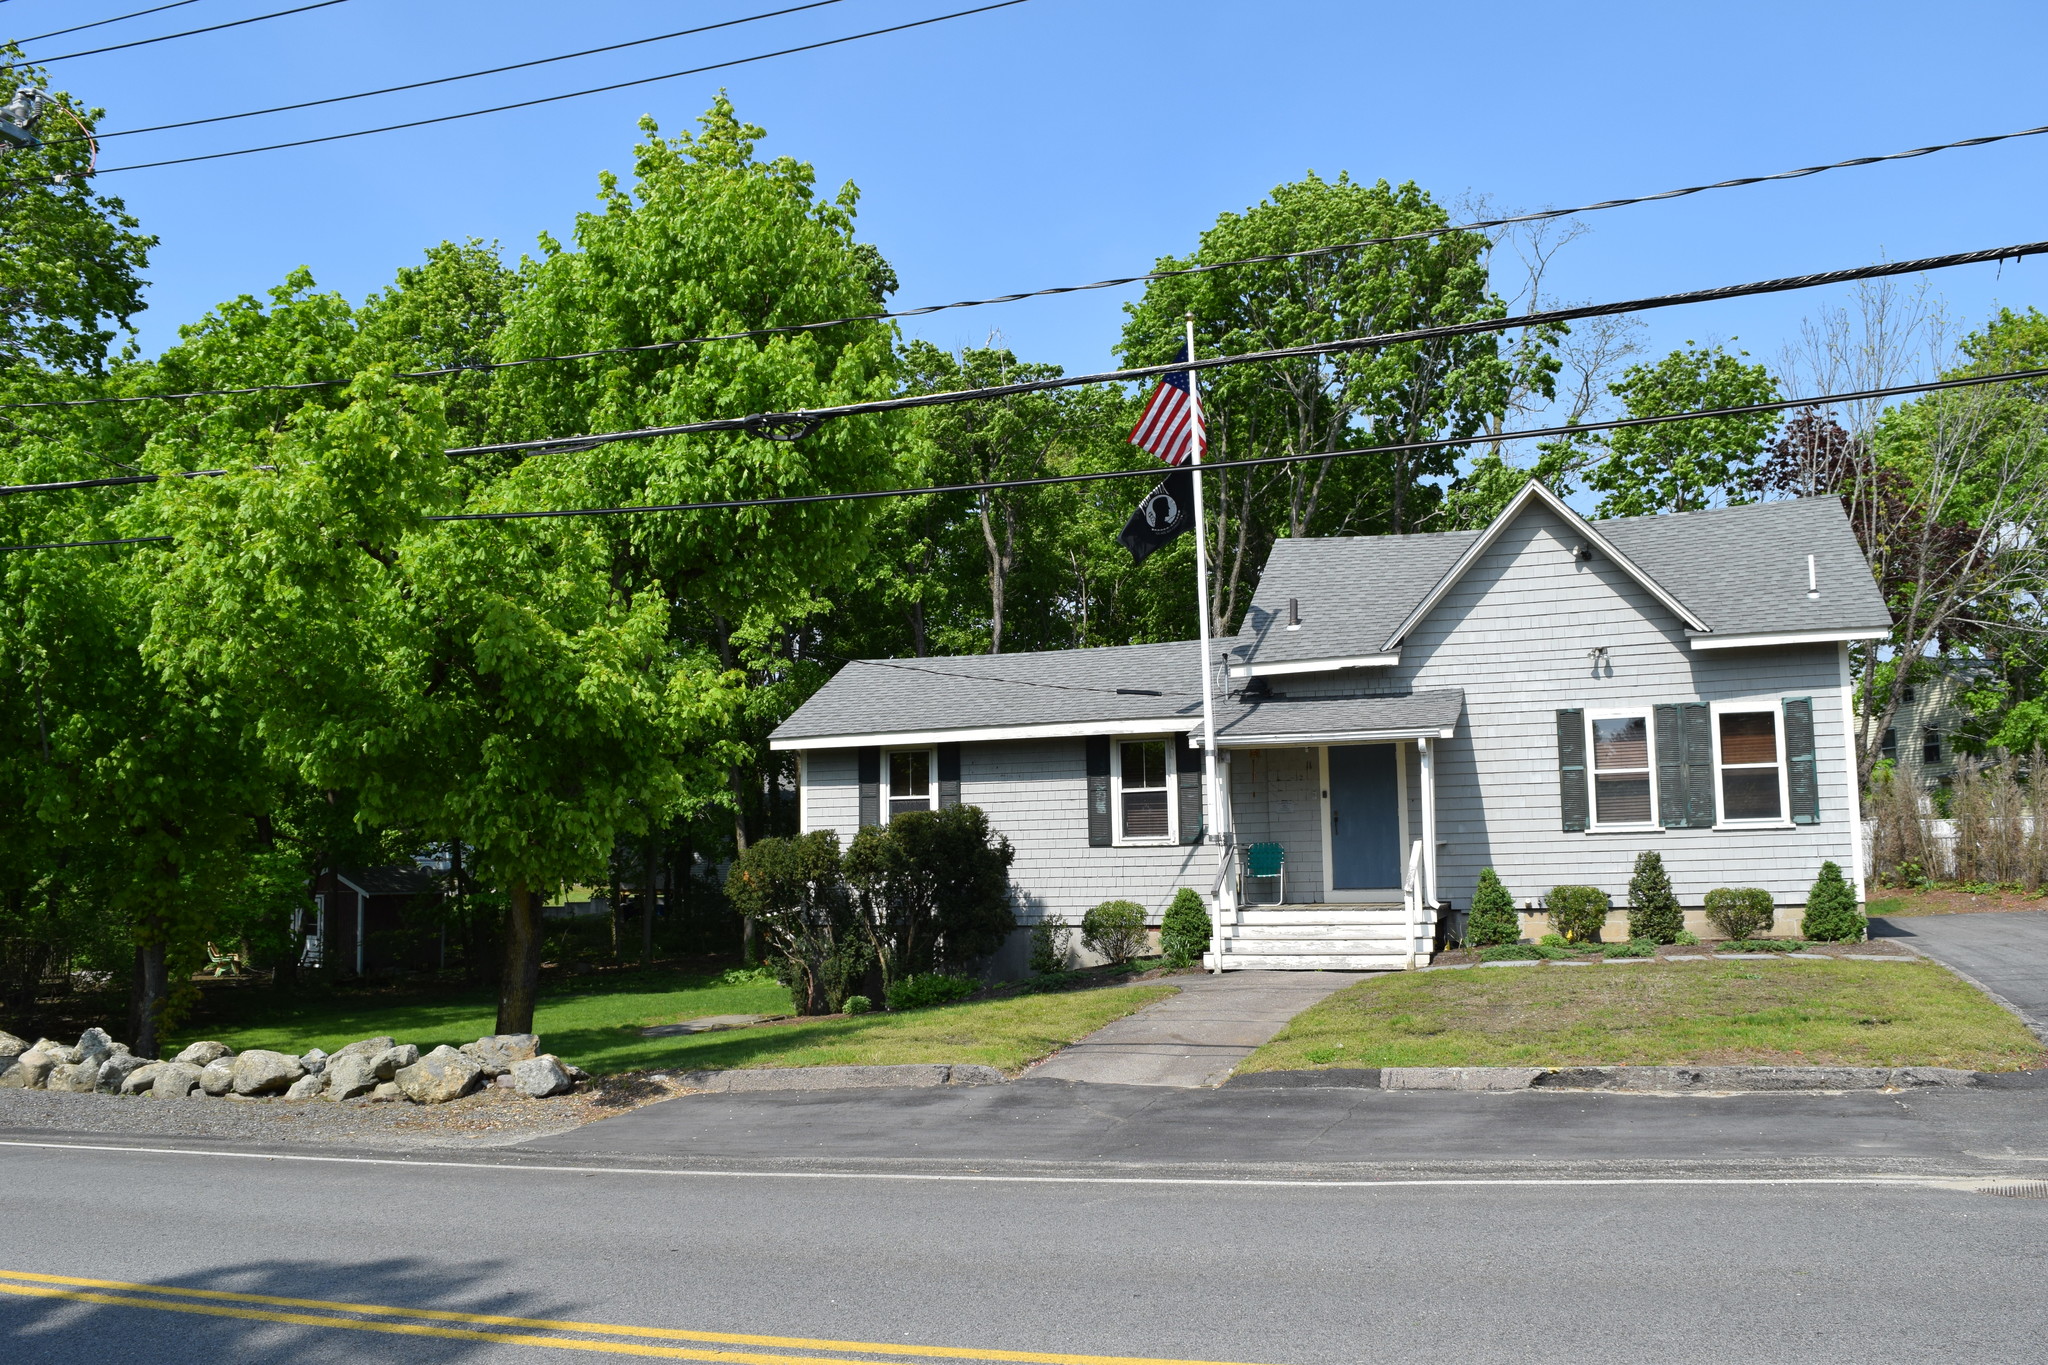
1412,893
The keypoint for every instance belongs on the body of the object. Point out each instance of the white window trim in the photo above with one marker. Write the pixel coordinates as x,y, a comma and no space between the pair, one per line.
1648,715
931,780
1116,792
1776,707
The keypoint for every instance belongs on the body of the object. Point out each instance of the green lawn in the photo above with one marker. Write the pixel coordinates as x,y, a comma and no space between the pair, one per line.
595,1022
1702,1013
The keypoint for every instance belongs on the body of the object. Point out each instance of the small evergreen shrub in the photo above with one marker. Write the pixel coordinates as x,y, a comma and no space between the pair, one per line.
1051,946
1116,929
930,988
1636,947
1511,952
1831,913
857,1004
1653,911
1687,939
1578,912
1551,952
1492,919
1552,940
1739,911
1184,933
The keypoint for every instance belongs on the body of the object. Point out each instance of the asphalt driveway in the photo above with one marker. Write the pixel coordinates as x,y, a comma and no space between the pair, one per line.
2003,951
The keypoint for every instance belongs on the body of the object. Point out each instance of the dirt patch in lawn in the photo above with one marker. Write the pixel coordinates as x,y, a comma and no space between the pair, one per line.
1718,1012
1950,901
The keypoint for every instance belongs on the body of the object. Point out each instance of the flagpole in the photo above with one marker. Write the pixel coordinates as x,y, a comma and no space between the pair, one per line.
1212,804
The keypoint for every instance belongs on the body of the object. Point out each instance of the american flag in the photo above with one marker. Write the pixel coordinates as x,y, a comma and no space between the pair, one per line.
1169,417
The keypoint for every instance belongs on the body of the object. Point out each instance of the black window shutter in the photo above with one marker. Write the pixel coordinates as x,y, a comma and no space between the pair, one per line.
1670,768
1571,768
1187,762
1696,720
949,775
870,786
1802,777
1098,792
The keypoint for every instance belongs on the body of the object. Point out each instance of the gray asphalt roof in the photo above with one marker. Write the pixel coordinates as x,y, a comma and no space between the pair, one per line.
1280,718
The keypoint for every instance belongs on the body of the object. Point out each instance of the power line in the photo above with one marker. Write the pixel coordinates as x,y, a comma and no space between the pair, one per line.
166,37
102,23
444,80
791,425
553,99
1568,430
797,327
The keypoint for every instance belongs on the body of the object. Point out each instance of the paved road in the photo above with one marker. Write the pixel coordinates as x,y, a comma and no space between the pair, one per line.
1296,1275
1196,1037
2005,951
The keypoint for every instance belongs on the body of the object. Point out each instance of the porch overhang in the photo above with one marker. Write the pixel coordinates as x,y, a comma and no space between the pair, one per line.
1286,721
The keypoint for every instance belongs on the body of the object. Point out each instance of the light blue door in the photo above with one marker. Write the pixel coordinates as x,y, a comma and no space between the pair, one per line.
1365,818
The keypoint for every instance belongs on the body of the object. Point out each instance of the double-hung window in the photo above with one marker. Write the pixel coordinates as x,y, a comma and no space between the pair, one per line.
1622,772
1144,789
1749,757
910,781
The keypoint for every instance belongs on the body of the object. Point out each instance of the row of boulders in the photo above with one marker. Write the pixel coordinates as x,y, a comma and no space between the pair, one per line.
375,1068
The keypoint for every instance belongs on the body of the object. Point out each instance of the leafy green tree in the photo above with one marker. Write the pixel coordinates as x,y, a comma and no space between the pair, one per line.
932,889
796,891
1685,466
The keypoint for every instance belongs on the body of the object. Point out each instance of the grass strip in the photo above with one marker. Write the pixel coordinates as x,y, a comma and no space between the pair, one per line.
1787,1013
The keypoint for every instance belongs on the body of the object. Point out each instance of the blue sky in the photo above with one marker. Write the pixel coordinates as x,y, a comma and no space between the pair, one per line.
1062,141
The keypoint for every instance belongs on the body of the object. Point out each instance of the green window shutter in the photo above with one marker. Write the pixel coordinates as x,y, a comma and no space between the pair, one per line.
1571,768
870,761
1187,760
1696,726
1802,777
1098,791
949,775
1670,768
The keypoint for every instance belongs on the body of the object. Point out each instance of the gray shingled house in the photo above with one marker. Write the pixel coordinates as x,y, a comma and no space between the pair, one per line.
1547,697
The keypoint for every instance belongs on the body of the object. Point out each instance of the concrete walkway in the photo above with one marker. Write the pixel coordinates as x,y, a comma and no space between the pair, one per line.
1194,1038
2005,951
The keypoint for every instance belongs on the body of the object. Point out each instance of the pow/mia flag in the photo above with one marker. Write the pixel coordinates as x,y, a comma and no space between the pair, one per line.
1166,511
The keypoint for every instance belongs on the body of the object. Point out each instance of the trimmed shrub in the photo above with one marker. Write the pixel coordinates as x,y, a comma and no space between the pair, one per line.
1116,929
1492,919
1831,913
1511,952
1553,940
1653,911
930,988
1687,939
1184,933
1739,911
857,1004
1578,912
1051,946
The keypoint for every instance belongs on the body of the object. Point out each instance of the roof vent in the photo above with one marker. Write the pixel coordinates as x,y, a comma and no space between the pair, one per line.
1294,613
1812,581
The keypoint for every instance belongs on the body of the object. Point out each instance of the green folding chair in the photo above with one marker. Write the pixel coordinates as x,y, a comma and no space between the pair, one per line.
1269,861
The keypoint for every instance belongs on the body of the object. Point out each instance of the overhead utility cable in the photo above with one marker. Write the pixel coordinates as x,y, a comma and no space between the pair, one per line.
167,37
465,76
102,23
789,425
1568,430
553,99
794,327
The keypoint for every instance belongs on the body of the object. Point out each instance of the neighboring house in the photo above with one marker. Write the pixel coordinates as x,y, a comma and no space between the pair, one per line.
361,925
1921,738
1547,697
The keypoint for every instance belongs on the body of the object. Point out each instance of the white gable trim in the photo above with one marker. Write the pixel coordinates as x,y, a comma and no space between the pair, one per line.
1794,637
1534,491
1274,670
1066,729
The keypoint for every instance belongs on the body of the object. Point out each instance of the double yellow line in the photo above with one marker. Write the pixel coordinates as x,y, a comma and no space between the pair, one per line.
375,1317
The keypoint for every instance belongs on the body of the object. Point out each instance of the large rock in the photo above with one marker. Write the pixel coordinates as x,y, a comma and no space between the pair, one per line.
94,1042
306,1087
175,1081
204,1054
315,1062
30,1070
138,1081
497,1053
368,1047
258,1072
387,1090
76,1078
116,1069
442,1075
541,1076
11,1046
217,1077
350,1074
393,1060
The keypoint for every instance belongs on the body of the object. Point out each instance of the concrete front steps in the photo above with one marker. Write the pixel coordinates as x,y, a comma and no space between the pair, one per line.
1334,938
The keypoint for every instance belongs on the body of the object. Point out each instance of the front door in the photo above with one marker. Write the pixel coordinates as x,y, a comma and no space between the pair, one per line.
1365,817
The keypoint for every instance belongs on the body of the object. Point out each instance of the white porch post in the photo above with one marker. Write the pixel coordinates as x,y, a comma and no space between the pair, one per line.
1426,750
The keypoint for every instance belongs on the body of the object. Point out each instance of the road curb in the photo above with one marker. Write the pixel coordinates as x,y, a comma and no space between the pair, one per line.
1643,1079
919,1076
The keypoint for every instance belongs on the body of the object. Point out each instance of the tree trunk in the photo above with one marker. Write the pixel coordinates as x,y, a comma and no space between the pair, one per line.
649,896
152,985
521,986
